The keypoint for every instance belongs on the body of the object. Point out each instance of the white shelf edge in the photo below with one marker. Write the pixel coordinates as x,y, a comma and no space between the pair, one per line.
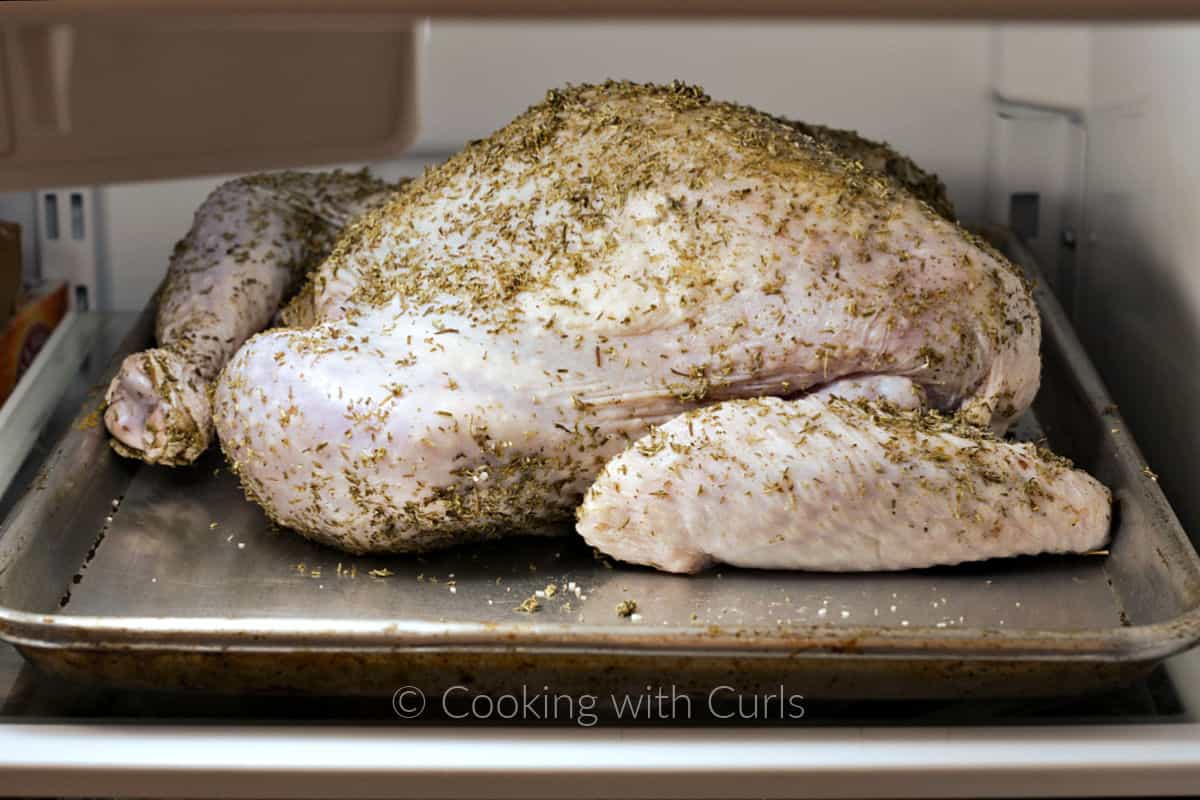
324,761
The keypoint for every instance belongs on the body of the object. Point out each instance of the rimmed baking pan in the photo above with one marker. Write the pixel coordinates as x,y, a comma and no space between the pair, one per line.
125,574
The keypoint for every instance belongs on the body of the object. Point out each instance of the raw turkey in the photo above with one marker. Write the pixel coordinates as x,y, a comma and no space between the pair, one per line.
476,349
252,242
828,483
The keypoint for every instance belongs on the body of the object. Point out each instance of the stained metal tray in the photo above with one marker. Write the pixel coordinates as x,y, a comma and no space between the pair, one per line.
151,577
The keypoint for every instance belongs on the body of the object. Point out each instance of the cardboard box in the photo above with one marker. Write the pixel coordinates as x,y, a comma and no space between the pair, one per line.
27,331
10,269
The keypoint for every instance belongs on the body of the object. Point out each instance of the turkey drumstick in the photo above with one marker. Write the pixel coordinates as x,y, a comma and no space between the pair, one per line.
251,242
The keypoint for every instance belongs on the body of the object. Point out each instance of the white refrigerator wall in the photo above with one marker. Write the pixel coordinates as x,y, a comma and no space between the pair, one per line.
1099,121
1139,284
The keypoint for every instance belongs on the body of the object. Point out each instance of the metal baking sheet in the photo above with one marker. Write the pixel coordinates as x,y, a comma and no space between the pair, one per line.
143,576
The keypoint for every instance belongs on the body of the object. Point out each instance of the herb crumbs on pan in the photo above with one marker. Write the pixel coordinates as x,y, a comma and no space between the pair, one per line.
90,420
529,606
626,608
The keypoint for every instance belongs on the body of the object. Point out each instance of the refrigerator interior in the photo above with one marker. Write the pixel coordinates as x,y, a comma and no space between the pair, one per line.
1079,136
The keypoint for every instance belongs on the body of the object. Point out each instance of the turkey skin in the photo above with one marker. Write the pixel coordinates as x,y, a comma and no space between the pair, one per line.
477,348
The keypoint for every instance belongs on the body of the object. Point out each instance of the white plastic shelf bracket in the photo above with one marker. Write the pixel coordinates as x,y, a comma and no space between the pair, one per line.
66,230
